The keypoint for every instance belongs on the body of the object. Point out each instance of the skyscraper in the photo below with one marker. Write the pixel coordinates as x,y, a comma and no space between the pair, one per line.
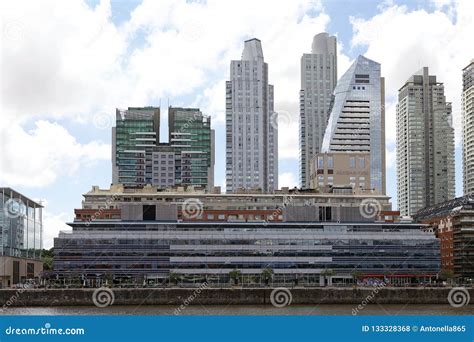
468,128
135,134
251,124
357,119
192,138
318,79
425,144
138,157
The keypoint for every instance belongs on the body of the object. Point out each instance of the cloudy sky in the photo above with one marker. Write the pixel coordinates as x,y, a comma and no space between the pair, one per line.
66,66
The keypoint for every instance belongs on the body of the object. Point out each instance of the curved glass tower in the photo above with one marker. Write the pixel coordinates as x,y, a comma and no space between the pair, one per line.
357,119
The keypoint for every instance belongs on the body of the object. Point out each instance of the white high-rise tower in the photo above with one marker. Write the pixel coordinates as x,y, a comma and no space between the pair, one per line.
251,124
318,79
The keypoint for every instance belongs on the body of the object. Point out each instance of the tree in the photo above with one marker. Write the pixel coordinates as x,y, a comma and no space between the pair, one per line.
174,278
267,275
47,258
327,273
356,275
235,275
446,275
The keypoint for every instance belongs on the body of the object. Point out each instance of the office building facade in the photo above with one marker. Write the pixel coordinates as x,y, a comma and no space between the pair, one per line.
468,128
21,238
318,80
357,119
425,144
251,124
393,252
329,170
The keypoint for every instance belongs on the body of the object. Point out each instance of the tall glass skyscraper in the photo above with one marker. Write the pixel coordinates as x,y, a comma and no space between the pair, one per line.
192,139
251,124
357,119
318,79
425,144
134,136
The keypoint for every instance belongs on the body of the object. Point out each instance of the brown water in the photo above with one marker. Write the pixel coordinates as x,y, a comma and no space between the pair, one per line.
244,310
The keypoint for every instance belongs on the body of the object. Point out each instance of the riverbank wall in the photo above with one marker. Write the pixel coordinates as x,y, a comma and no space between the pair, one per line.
227,296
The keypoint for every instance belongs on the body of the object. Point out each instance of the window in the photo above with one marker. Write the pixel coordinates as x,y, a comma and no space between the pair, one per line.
362,162
320,162
352,162
330,162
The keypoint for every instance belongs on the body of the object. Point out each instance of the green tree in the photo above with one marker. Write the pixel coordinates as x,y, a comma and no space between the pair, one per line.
174,278
235,276
356,275
47,256
327,273
267,275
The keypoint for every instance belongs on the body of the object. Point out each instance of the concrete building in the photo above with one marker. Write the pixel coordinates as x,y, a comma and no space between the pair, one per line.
318,80
468,128
357,119
139,158
425,144
186,205
251,124
452,222
21,240
341,169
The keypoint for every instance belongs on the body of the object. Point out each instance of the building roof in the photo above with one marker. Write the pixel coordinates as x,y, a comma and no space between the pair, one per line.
443,209
22,197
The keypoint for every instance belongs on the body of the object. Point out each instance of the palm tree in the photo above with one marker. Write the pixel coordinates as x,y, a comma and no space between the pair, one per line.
174,278
235,275
356,275
267,275
327,273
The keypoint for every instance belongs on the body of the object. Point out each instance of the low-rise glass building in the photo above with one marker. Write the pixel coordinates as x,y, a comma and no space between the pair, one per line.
21,238
299,252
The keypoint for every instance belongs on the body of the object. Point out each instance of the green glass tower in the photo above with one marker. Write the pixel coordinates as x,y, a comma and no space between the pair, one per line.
192,138
138,157
133,140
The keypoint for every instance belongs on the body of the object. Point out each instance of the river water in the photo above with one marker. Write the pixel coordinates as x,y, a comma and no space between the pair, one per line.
244,310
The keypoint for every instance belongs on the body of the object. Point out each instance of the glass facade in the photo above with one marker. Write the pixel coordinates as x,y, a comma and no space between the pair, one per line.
356,122
135,135
21,225
191,137
153,248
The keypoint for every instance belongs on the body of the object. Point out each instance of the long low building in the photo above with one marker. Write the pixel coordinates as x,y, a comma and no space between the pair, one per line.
303,252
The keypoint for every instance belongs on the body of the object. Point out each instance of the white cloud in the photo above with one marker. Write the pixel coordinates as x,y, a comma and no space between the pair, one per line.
52,225
37,158
287,179
404,41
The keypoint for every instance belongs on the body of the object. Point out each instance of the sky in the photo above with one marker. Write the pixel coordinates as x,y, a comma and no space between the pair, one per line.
66,65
